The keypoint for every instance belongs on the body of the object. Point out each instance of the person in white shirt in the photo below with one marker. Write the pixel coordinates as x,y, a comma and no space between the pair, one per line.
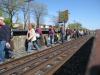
81,32
31,37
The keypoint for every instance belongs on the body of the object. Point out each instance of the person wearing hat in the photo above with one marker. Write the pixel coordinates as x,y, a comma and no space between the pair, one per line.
5,36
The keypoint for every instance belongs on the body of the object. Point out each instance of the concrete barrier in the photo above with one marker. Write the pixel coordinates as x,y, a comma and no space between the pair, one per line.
19,42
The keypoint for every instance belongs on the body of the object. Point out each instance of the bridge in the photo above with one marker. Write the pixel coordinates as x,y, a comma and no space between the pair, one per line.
76,57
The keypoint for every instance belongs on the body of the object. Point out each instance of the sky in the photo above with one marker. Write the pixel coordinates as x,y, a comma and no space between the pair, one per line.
86,12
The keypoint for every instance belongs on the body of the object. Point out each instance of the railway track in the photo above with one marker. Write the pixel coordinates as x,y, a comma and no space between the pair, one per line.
45,62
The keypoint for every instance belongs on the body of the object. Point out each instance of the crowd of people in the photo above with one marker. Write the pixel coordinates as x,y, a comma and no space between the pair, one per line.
35,38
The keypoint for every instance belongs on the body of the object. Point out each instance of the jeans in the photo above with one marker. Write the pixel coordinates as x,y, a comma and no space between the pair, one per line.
62,38
38,42
30,45
48,41
35,45
51,39
2,52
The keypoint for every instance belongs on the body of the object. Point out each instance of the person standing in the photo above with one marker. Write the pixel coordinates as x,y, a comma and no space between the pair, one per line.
51,34
39,36
62,33
5,36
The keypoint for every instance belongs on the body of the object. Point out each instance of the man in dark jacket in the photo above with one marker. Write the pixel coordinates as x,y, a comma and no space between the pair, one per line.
5,36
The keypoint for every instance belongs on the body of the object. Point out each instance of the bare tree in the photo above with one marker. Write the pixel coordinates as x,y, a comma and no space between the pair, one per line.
24,9
39,10
10,7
